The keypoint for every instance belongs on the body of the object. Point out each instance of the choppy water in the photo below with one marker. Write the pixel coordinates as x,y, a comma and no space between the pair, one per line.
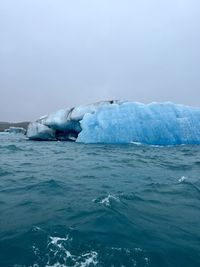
68,204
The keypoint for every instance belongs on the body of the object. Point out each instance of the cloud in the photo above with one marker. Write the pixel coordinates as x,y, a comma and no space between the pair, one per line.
65,53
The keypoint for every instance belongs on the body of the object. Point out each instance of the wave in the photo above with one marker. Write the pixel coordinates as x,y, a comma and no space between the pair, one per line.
62,251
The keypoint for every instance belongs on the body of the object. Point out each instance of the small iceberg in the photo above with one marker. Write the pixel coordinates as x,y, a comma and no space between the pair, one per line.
15,130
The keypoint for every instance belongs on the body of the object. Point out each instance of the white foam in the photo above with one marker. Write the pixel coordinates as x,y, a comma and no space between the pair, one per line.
182,179
55,240
57,265
58,254
136,143
106,200
58,244
36,229
90,258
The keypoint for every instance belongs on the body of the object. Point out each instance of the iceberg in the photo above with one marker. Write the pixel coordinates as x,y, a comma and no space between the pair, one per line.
121,122
15,130
39,131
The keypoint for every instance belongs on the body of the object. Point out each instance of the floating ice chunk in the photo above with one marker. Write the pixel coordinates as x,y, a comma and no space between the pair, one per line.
38,131
16,130
121,122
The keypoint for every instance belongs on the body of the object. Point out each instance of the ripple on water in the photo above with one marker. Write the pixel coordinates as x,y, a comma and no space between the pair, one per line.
152,221
10,148
4,172
107,200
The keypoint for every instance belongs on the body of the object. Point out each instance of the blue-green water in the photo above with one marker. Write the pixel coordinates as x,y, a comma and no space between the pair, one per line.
68,204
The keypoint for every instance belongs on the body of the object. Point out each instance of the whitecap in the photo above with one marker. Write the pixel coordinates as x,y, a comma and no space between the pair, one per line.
136,143
58,251
106,201
182,179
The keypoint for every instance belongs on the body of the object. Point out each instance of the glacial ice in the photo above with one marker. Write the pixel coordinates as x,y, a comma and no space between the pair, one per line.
15,130
38,131
121,122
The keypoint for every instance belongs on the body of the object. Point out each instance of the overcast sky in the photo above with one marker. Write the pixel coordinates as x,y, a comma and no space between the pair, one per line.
60,53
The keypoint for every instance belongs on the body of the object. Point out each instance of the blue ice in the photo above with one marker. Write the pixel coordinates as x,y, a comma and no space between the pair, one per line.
153,124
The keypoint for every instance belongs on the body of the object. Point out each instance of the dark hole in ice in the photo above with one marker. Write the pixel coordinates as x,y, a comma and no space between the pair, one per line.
66,135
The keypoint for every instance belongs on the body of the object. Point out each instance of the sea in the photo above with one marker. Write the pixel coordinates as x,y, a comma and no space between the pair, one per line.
71,204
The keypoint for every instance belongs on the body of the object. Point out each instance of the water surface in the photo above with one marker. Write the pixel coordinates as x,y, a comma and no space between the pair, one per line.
68,204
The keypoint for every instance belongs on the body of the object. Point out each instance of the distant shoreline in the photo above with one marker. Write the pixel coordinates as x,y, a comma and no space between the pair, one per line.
6,125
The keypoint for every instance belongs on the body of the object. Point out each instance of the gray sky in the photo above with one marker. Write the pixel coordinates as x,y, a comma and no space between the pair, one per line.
56,54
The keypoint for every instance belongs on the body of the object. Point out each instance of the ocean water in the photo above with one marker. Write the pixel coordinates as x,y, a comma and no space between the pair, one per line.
67,204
